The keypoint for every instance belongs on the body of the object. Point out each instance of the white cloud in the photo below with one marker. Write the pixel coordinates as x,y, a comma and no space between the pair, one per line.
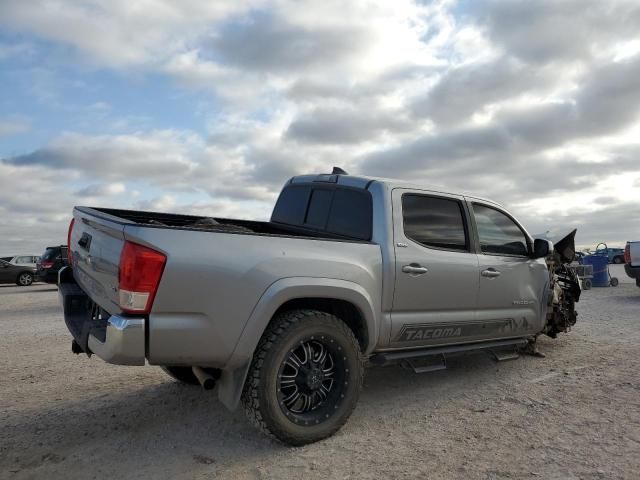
119,33
102,190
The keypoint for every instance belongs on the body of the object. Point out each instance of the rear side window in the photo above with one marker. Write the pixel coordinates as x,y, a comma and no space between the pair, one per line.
434,222
498,234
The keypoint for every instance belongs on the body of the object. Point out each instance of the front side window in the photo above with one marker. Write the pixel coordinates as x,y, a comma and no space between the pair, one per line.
498,234
434,222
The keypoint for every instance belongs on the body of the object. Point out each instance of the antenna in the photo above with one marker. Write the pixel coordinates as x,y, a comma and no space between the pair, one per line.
338,171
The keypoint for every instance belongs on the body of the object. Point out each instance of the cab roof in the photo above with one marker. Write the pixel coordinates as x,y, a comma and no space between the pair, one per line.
360,181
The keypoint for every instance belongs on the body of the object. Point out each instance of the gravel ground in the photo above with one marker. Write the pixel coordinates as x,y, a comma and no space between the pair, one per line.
573,414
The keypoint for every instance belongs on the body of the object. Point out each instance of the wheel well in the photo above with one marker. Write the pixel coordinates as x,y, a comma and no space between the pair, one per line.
345,311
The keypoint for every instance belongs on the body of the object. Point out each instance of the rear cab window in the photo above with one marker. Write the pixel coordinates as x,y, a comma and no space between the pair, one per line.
51,253
331,209
435,222
498,233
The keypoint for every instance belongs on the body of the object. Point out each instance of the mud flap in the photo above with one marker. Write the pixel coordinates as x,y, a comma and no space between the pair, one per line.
230,386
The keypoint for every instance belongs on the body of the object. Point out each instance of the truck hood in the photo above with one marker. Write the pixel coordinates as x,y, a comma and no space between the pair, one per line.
566,247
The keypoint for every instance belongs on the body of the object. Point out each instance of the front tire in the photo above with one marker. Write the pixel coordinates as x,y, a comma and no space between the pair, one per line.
24,279
182,374
618,260
305,377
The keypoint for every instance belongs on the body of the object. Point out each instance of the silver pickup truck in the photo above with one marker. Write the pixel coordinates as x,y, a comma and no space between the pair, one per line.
284,315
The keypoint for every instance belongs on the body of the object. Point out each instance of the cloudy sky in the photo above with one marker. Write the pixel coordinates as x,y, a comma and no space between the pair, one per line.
208,107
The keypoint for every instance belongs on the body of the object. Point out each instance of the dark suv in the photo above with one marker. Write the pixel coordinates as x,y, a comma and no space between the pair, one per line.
53,259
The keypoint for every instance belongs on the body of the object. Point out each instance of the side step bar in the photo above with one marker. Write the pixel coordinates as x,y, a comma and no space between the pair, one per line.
384,358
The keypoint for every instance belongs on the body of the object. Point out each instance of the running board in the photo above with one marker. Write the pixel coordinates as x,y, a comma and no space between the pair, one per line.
503,356
426,364
384,358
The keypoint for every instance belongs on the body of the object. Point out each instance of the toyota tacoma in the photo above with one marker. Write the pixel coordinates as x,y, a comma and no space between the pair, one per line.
283,315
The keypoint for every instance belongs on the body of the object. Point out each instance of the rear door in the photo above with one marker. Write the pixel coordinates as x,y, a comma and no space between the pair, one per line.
512,284
436,282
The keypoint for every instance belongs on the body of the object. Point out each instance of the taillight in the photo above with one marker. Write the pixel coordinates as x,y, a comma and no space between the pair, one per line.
138,277
627,253
69,240
46,264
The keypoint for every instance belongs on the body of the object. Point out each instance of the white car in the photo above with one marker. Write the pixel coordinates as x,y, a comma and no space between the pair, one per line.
29,260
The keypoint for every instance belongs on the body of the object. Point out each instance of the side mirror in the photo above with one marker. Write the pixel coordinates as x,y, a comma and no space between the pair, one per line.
542,248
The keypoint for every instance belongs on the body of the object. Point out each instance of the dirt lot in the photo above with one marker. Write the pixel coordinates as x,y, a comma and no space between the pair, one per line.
573,414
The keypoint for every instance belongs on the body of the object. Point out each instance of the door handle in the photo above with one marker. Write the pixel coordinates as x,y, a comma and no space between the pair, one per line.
490,273
415,269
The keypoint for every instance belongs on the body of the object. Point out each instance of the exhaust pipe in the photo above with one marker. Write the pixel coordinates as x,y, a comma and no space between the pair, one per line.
207,380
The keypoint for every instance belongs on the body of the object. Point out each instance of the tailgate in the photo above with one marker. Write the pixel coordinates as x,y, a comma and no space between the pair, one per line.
95,243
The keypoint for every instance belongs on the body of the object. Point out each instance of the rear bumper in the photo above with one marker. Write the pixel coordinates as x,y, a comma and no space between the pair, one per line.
632,272
124,342
115,339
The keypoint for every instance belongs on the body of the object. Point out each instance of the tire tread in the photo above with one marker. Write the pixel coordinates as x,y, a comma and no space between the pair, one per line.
281,324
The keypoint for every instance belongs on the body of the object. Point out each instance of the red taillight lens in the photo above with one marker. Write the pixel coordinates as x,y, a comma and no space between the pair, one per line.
46,264
138,277
627,253
73,220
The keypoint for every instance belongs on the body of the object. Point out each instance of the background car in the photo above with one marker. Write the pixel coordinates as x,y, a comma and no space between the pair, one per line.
31,260
22,275
615,255
52,260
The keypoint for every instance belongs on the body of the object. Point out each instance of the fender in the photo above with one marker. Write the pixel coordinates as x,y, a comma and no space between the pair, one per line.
234,374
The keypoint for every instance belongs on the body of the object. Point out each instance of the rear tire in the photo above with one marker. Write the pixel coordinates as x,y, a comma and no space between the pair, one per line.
618,260
24,279
587,284
614,281
305,377
181,374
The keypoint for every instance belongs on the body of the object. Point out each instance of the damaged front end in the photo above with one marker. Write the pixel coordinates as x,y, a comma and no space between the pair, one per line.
564,287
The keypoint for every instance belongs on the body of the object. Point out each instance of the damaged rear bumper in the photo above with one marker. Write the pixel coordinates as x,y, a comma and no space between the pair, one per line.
115,339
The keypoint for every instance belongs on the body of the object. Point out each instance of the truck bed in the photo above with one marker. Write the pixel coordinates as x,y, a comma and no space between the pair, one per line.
201,223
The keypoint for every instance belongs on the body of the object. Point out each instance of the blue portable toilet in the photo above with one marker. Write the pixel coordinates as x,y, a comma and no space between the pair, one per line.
600,269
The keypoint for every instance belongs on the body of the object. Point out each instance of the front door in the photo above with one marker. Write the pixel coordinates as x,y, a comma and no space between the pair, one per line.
437,280
512,285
